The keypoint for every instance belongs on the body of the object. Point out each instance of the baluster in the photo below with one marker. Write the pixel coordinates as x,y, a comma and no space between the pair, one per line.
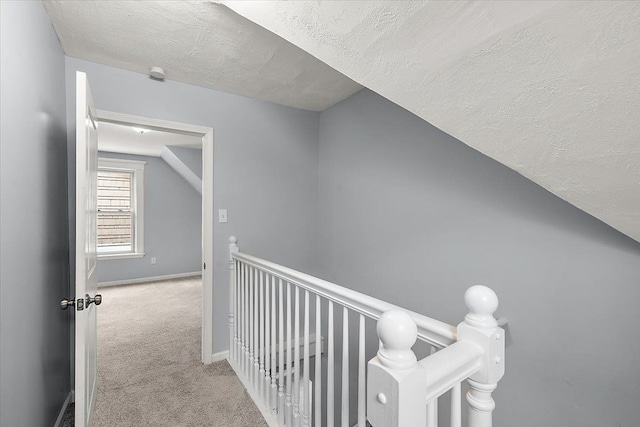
305,376
362,396
242,321
281,395
238,312
318,369
245,338
481,327
289,404
296,362
256,333
273,391
330,367
345,367
432,407
456,406
260,379
233,247
252,328
267,345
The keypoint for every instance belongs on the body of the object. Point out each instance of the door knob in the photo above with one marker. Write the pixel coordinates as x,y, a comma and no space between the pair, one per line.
66,303
97,300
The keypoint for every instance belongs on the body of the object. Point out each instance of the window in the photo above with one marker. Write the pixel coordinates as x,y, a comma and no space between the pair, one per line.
120,208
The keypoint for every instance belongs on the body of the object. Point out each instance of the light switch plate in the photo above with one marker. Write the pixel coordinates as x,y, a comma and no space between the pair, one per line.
222,215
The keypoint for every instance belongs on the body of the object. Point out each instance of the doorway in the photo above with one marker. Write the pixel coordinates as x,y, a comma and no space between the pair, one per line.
205,136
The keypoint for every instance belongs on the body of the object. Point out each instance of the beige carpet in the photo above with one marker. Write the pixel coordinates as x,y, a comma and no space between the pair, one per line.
149,368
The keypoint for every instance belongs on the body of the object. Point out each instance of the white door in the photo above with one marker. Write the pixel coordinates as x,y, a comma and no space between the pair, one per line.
86,240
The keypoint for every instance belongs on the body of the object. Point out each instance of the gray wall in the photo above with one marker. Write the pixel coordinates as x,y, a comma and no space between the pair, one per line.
172,226
413,216
265,165
191,157
34,332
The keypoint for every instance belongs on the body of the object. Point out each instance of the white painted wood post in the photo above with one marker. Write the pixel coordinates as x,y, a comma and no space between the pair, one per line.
281,392
479,326
233,247
396,382
261,317
344,412
318,366
297,418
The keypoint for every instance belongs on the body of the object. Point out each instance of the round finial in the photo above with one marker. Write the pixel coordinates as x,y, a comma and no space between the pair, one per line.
397,332
481,302
233,240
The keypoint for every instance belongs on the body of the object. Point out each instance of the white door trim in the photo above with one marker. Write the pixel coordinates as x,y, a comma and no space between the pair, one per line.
207,208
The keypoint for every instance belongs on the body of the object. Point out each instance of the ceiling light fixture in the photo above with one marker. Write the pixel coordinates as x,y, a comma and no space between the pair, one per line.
156,73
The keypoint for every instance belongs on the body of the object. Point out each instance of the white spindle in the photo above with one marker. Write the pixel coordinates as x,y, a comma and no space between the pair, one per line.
296,362
330,367
362,380
273,391
233,247
256,331
281,395
263,348
345,367
289,404
432,407
318,368
260,379
305,376
242,321
238,312
245,338
252,328
456,406
267,341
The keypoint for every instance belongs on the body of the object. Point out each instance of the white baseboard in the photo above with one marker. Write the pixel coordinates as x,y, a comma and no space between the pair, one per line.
223,355
65,405
148,279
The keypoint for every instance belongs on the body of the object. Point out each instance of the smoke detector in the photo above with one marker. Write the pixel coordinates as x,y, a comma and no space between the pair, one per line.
156,73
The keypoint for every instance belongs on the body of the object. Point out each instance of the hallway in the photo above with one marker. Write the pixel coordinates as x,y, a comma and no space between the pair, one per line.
149,371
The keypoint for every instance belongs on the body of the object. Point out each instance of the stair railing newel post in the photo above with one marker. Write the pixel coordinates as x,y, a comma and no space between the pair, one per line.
396,382
233,247
480,327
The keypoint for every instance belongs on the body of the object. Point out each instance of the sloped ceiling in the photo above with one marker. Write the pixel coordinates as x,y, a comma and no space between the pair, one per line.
120,138
197,42
550,89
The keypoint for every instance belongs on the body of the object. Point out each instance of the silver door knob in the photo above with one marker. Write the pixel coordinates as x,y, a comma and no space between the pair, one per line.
97,300
65,303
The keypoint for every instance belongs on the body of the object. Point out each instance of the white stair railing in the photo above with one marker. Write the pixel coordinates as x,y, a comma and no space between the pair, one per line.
274,309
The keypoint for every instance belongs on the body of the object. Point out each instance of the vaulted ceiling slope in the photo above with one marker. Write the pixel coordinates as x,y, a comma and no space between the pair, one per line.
197,42
550,89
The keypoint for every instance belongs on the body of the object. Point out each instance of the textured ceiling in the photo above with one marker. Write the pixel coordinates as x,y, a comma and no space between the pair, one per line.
197,42
550,89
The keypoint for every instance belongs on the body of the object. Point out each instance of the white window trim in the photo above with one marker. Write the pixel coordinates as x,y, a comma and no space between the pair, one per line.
137,167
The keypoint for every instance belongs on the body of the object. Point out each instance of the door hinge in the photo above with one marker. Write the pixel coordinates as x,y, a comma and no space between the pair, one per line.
204,266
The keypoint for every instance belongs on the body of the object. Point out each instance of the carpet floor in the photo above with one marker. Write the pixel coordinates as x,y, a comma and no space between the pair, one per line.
149,369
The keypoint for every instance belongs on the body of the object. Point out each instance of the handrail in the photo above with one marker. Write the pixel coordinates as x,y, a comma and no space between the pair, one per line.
449,366
430,330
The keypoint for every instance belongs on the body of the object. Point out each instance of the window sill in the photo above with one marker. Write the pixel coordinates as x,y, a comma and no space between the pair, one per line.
120,256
